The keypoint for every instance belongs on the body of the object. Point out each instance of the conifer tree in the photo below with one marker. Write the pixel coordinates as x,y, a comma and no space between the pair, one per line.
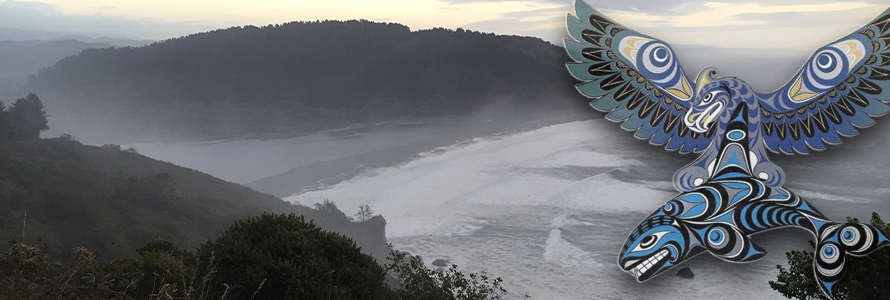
4,121
27,118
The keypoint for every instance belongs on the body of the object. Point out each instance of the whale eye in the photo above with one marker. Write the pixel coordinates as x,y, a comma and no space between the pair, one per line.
650,241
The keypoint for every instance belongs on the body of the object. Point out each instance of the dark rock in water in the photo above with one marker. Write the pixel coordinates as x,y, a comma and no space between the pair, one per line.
440,263
685,273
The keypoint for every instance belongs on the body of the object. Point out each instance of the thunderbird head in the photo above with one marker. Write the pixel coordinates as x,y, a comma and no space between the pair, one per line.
712,98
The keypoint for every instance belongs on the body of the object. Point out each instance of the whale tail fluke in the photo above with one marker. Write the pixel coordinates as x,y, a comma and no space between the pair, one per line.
836,241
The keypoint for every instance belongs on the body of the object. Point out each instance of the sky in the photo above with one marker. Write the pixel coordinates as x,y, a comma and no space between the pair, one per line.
795,24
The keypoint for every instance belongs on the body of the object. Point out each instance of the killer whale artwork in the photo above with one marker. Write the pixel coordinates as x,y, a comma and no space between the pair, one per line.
732,190
721,213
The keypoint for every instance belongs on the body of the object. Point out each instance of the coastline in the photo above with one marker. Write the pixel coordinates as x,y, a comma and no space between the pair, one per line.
321,175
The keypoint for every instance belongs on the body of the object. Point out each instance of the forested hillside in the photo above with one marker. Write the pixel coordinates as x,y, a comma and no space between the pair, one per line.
59,194
307,76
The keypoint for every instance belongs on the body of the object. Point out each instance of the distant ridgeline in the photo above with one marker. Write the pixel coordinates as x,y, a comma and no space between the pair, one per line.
22,58
308,76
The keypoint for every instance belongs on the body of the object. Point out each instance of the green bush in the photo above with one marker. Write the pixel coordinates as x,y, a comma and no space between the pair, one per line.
26,272
264,257
284,257
158,269
421,283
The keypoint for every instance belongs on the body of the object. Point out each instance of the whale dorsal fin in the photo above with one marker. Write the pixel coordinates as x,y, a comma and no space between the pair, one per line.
732,160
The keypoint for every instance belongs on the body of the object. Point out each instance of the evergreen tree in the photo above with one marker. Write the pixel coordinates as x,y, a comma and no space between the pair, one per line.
4,121
27,118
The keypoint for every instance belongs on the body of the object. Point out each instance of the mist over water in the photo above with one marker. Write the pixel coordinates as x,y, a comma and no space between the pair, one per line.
545,209
548,210
246,160
243,161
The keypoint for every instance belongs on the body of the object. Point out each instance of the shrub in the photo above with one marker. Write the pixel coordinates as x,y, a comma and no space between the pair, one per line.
284,257
421,283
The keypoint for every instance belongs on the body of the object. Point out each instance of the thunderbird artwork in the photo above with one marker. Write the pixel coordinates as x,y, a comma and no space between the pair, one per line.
733,190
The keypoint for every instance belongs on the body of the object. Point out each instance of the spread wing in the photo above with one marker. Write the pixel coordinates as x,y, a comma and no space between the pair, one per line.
839,89
633,77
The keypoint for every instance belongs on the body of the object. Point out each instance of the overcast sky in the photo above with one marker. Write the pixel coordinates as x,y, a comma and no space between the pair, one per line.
797,24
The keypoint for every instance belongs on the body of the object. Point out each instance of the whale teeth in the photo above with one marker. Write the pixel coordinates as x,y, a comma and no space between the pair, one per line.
641,268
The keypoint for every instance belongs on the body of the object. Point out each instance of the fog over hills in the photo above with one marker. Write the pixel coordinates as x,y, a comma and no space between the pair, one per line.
22,58
305,77
302,77
61,194
21,35
445,135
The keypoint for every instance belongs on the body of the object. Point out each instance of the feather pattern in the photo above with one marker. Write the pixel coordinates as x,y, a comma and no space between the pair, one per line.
838,91
635,78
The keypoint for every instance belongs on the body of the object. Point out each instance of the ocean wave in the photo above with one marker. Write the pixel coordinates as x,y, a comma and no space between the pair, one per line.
559,251
605,193
563,252
521,169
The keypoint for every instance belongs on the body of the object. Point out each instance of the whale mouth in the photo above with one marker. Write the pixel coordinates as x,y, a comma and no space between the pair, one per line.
647,268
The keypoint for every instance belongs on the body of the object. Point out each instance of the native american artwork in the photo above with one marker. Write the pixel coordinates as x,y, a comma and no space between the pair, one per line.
732,190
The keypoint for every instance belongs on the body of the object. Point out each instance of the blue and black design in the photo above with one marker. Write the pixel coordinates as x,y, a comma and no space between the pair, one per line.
720,215
638,81
732,190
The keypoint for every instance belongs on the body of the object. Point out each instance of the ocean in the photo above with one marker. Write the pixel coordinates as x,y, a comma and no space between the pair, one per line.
545,209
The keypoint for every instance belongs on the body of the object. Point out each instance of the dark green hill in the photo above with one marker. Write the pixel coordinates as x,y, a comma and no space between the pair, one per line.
305,76
59,194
